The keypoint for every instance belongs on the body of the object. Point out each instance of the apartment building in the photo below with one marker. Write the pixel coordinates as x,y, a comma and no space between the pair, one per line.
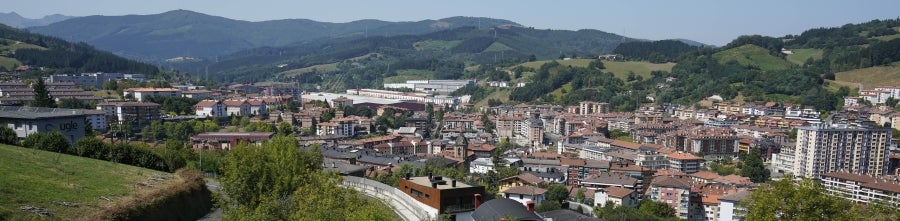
824,148
140,94
862,188
136,114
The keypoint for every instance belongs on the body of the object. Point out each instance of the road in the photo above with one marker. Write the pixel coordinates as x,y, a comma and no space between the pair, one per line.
401,209
215,215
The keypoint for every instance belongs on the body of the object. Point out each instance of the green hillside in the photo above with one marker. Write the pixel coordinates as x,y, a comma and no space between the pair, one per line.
873,76
800,56
7,47
187,33
753,56
619,68
43,179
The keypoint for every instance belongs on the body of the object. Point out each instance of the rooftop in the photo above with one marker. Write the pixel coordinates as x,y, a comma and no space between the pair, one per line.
526,190
38,112
443,183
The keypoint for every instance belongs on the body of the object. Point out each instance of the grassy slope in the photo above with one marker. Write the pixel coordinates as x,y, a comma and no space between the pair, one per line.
39,178
619,68
409,74
435,45
873,76
753,55
801,55
8,46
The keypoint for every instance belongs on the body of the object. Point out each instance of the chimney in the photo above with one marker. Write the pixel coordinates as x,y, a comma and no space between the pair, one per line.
434,185
430,176
407,176
477,200
333,165
453,183
530,205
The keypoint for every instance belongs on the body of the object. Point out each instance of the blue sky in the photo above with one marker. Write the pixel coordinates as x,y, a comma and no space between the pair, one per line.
708,21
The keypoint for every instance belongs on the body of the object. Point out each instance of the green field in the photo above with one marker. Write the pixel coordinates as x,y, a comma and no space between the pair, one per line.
752,55
436,45
409,74
9,63
39,178
619,68
497,46
801,55
299,71
501,94
873,76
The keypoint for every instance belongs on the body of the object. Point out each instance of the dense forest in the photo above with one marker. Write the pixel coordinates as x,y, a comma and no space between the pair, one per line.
654,51
60,54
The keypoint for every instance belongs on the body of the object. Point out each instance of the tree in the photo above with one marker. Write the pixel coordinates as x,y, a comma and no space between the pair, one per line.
279,181
285,129
891,102
8,136
548,205
72,103
658,209
110,85
532,57
597,64
754,168
50,141
806,200
557,192
580,196
42,96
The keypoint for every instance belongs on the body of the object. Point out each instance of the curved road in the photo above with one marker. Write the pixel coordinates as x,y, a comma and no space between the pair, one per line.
401,209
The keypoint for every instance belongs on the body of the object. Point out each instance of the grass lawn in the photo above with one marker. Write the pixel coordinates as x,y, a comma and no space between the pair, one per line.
497,46
753,55
619,68
499,94
873,76
801,55
321,67
107,94
39,178
9,63
437,45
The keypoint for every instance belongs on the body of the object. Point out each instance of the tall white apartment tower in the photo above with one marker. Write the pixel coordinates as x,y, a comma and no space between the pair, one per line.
824,148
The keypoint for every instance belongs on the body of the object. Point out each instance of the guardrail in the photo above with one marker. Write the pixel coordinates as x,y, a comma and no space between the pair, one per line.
390,195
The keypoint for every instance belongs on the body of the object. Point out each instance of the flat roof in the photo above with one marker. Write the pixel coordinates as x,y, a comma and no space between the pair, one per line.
38,112
424,181
356,98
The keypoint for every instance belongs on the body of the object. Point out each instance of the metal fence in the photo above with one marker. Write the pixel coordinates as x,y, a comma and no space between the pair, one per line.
390,195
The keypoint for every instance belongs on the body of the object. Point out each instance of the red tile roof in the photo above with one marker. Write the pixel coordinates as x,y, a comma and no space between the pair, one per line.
618,192
526,190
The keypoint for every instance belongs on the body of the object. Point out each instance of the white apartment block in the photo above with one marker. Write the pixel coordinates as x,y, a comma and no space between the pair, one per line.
862,188
822,148
140,94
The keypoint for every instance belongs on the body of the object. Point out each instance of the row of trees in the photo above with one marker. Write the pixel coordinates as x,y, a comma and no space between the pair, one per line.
135,154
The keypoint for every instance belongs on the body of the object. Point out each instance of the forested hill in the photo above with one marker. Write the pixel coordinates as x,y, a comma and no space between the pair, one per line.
183,33
19,47
435,52
815,68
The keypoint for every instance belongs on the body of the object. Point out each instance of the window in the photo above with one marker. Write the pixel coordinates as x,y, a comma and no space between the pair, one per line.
416,193
521,196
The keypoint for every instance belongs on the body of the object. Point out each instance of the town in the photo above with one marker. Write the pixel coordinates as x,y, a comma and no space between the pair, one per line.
448,112
695,160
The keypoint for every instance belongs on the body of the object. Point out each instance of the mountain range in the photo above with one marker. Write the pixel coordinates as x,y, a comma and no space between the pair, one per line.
15,20
182,33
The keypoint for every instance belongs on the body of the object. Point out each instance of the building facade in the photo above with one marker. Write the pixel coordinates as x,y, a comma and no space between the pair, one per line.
26,121
823,148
